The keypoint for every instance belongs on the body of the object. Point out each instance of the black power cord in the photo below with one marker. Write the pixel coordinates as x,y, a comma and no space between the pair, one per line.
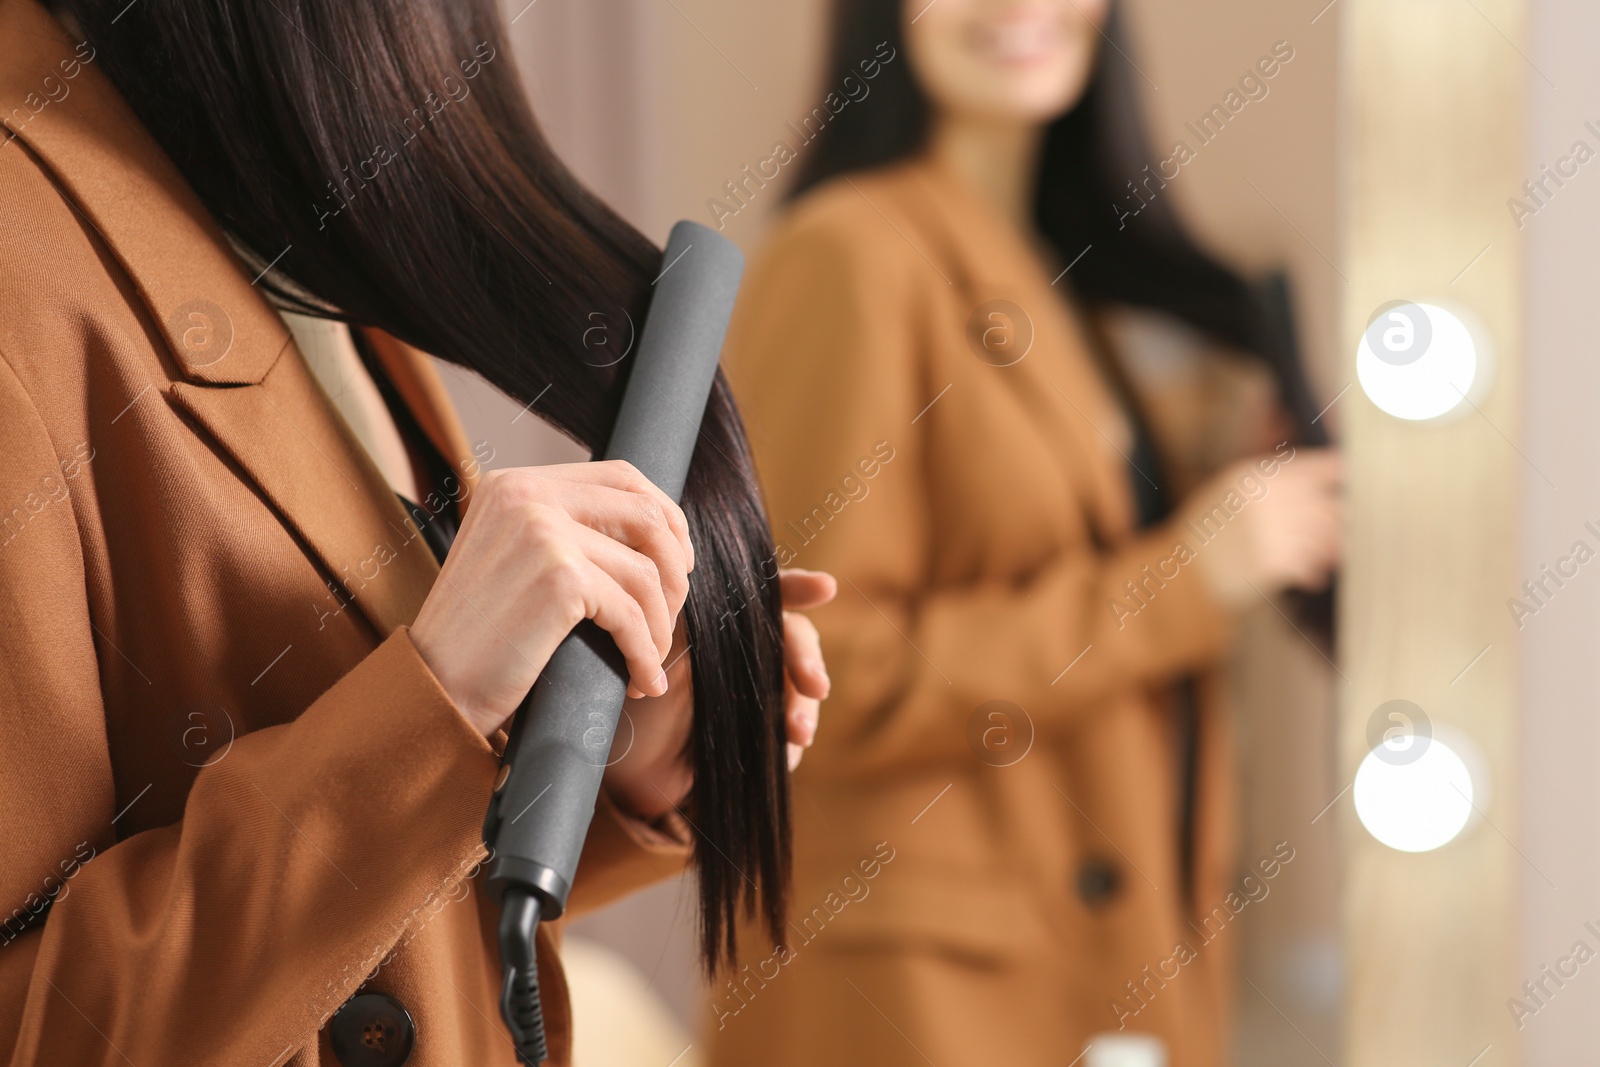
519,992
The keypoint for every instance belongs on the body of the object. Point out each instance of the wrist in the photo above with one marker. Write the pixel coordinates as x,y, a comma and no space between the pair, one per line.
484,718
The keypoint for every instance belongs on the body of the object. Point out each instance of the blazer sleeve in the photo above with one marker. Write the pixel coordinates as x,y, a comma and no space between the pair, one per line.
828,360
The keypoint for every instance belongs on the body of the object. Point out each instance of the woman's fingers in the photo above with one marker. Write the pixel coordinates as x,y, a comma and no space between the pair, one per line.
639,579
1314,533
540,550
638,523
622,475
802,656
802,589
617,612
1328,466
806,675
801,717
652,775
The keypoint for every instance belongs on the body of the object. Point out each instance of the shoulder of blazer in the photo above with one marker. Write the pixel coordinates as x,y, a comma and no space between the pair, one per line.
886,221
62,116
930,223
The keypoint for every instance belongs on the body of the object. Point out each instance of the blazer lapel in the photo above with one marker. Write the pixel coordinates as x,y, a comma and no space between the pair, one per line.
988,259
238,372
324,486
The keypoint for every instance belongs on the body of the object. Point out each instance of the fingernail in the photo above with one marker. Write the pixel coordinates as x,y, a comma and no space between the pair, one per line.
795,752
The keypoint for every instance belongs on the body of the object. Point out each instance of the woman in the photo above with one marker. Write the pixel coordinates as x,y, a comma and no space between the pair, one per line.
1022,803
250,727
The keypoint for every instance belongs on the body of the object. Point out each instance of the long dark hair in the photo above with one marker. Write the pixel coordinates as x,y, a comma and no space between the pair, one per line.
387,144
1090,157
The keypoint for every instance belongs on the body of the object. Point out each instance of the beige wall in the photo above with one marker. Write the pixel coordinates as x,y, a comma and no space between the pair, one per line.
657,103
1560,821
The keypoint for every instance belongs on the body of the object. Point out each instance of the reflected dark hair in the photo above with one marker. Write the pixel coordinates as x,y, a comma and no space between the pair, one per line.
1092,157
388,145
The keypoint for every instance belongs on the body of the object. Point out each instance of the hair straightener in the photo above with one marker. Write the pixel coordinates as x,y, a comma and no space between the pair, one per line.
561,739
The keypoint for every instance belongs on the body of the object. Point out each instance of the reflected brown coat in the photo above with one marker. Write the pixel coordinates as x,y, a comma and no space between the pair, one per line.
223,765
980,520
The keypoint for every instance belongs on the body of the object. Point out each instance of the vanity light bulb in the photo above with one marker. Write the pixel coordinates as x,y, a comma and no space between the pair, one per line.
1415,806
1418,361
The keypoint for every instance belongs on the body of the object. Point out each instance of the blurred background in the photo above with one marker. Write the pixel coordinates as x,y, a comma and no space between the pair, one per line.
1359,949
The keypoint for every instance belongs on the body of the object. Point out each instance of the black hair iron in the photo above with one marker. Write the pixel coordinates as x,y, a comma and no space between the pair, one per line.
561,739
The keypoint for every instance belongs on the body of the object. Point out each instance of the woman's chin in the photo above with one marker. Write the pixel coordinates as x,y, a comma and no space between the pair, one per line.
1031,92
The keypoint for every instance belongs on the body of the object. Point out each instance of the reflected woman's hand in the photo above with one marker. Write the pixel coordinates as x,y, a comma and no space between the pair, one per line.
1289,533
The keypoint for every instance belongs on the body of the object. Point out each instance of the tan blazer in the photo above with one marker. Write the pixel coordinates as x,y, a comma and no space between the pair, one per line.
230,789
980,519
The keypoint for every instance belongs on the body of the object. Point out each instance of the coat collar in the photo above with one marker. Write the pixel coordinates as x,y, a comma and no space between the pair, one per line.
275,421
